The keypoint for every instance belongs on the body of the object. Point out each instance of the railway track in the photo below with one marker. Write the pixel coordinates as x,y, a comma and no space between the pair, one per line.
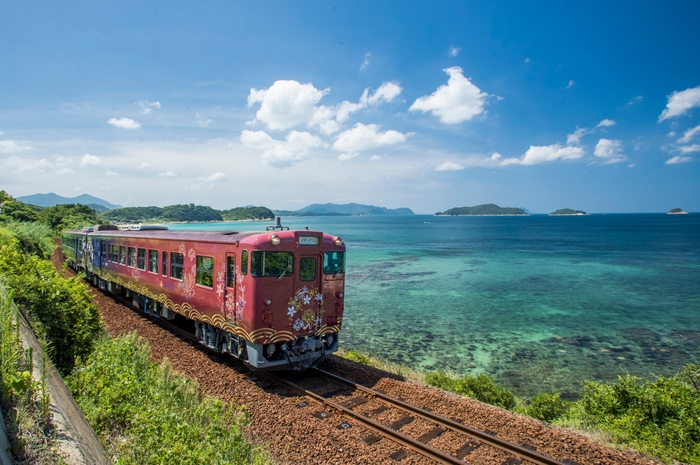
350,395
472,438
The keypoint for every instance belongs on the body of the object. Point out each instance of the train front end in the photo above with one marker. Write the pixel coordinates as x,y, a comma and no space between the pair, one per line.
297,279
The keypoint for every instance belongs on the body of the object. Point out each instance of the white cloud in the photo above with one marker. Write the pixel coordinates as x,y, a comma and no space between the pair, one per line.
671,134
63,171
124,123
495,156
147,106
689,148
88,160
111,173
448,166
527,60
23,164
689,134
286,103
375,158
10,146
202,122
606,123
218,176
294,149
570,84
366,62
346,156
575,137
678,160
610,150
681,102
541,154
458,100
167,174
634,100
364,137
144,166
454,51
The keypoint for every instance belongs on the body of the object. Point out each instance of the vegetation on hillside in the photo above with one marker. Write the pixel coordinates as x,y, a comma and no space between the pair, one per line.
248,213
58,217
486,209
145,413
567,212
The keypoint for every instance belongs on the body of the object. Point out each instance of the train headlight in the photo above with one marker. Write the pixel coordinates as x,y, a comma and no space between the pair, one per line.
337,241
339,295
275,239
267,301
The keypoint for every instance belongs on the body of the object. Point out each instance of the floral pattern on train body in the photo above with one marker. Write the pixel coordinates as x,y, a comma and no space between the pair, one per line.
305,309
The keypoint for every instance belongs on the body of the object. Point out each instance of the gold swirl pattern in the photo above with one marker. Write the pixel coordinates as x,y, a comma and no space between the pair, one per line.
259,336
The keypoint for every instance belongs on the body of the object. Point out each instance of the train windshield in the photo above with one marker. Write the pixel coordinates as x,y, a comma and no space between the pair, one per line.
334,263
275,264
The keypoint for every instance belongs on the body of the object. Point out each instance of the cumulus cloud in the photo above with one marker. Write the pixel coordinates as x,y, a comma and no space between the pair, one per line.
449,166
634,100
689,148
111,173
218,176
454,51
546,153
495,156
144,166
364,137
609,150
167,174
367,61
689,134
346,156
680,102
575,137
294,149
375,158
286,103
678,160
147,106
606,123
124,123
571,84
10,146
458,100
24,164
88,160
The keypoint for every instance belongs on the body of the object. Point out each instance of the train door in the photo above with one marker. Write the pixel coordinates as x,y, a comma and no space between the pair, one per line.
229,303
309,295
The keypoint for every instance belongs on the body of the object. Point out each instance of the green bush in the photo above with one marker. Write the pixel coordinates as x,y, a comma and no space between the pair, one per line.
660,417
480,387
34,238
547,406
148,415
61,308
357,357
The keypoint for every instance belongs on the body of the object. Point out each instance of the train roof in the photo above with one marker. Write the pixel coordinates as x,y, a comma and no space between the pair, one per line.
186,235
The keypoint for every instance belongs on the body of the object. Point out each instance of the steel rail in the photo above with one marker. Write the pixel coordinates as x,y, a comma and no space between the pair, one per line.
502,444
423,449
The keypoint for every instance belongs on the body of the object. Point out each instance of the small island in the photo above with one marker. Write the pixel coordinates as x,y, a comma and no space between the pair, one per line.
677,211
568,212
488,209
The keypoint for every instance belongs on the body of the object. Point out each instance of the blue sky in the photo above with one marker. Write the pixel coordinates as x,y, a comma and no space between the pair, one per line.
426,105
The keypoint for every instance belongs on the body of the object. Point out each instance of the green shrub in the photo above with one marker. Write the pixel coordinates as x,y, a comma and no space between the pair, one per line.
480,387
148,415
547,406
357,357
660,417
34,238
61,308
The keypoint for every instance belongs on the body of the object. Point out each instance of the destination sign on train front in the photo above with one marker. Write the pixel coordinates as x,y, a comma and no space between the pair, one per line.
308,240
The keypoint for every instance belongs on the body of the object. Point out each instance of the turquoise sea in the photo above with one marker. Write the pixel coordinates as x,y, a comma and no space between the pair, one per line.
538,302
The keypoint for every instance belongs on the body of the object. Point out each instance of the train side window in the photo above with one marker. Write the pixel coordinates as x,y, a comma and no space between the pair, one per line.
334,263
275,264
153,261
114,255
176,262
122,255
231,268
141,262
205,271
244,262
132,257
165,264
103,250
307,269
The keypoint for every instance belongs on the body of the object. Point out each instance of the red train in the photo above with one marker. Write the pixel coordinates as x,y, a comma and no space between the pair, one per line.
273,299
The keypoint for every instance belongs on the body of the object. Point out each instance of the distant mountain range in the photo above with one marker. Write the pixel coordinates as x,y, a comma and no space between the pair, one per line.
51,199
333,209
